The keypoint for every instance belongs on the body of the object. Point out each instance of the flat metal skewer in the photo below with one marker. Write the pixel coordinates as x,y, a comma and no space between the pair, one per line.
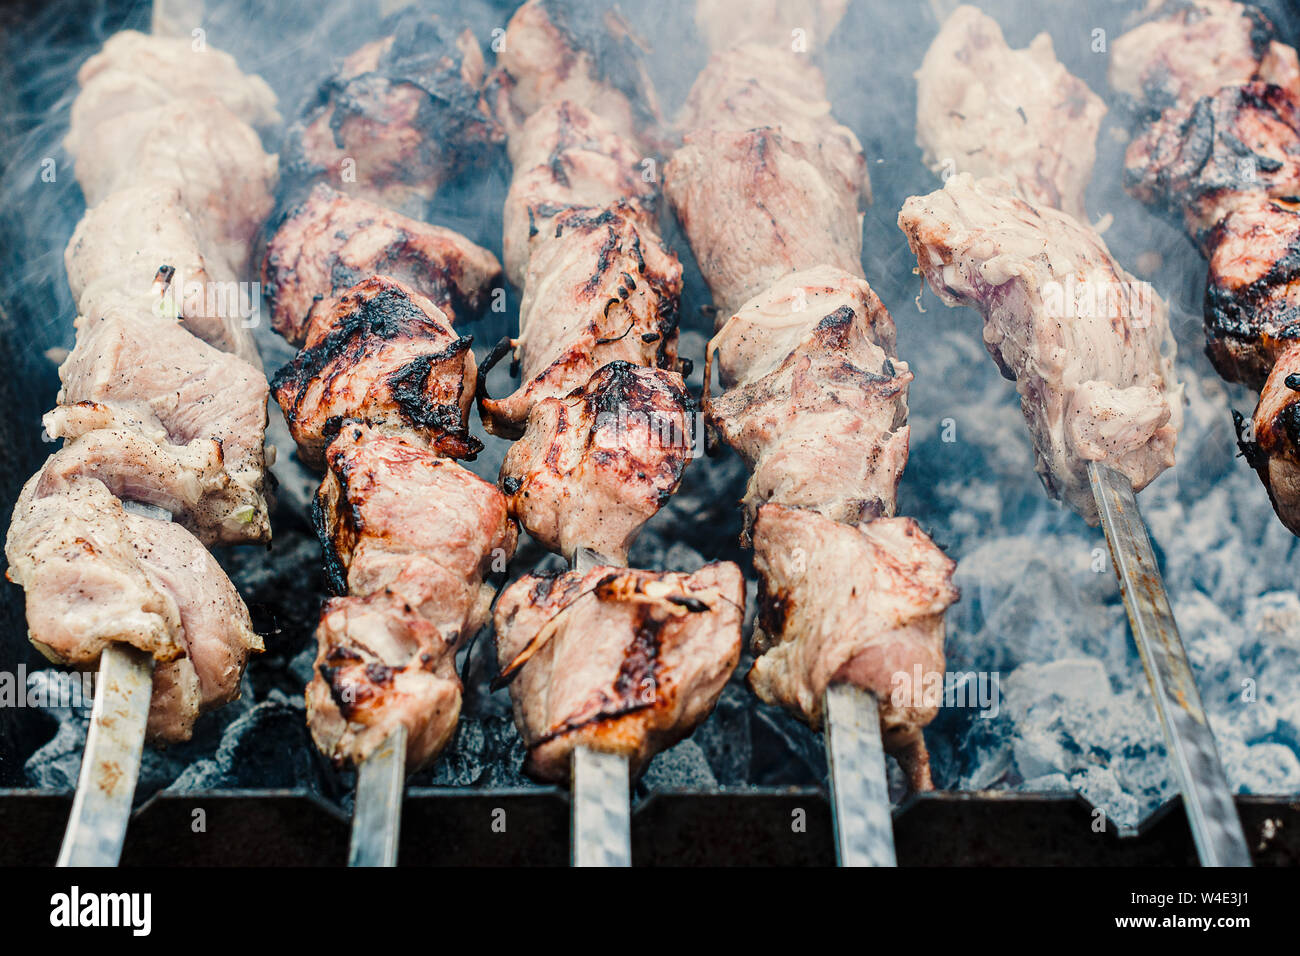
600,787
1216,828
855,753
110,764
377,816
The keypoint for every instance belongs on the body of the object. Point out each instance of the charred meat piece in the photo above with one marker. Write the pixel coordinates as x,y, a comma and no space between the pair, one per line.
861,605
565,155
384,355
616,660
600,287
757,205
1252,307
96,574
1088,346
402,116
189,401
1186,49
332,241
1274,450
989,110
582,51
790,24
218,164
1201,162
141,250
594,466
816,399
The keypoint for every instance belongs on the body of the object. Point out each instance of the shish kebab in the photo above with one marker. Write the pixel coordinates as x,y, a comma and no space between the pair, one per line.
1219,95
606,665
378,399
162,413
768,188
1089,347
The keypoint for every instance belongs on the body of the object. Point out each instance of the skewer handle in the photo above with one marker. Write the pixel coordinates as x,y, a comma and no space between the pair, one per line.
111,762
1216,828
377,817
855,752
602,824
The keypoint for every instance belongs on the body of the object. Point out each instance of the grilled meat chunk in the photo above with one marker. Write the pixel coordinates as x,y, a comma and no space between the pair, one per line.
862,605
224,177
801,25
96,574
402,116
332,241
384,355
1199,163
816,399
189,400
137,70
989,110
594,466
1088,346
1252,306
757,205
582,51
1186,49
141,250
565,155
616,660
600,287
1274,451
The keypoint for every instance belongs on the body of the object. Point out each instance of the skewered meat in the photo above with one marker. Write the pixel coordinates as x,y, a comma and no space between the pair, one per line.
616,660
600,287
413,538
565,155
802,25
862,605
1187,49
1089,347
817,399
402,116
141,250
224,177
96,574
1252,307
384,355
134,71
594,466
989,110
757,205
1199,163
582,51
1274,451
186,398
332,241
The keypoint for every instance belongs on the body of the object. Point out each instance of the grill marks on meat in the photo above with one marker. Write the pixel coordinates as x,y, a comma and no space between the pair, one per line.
816,399
332,241
594,466
1200,162
600,287
96,574
1089,347
413,538
402,116
863,605
1274,451
384,355
989,110
616,660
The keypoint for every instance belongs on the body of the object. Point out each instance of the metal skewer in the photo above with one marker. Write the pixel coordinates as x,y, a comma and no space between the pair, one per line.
600,787
1216,828
377,816
855,753
110,764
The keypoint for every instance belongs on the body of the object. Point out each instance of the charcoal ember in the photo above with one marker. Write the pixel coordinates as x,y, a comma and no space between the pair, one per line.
725,737
786,752
683,767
